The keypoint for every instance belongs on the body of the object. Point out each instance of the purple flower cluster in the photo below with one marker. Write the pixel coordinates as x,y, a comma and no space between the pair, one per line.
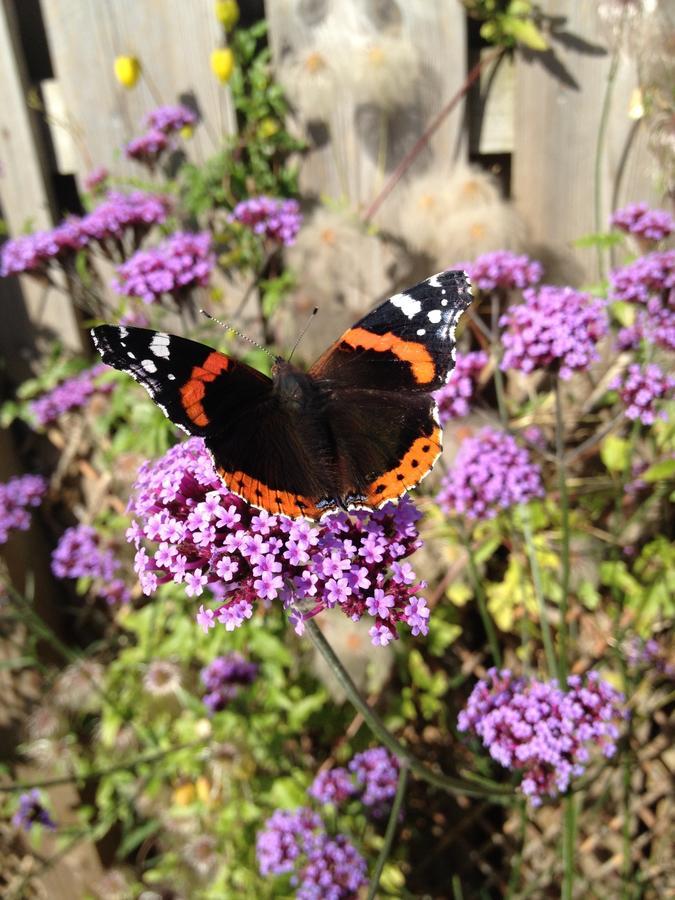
277,220
223,678
16,495
649,280
651,653
544,731
179,263
109,222
373,774
95,180
640,220
641,389
453,398
503,270
170,118
79,554
148,147
554,327
491,473
70,394
656,327
31,811
206,537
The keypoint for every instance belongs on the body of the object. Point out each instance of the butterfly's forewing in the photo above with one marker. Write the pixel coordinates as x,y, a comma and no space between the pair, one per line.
377,380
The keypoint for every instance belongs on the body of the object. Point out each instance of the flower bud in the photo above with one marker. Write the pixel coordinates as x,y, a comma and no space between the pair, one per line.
127,70
222,63
227,13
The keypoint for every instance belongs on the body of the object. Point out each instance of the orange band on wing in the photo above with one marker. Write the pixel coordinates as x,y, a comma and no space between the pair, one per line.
415,464
271,499
192,392
412,352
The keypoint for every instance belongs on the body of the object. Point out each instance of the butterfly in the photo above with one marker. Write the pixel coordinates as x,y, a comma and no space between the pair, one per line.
358,429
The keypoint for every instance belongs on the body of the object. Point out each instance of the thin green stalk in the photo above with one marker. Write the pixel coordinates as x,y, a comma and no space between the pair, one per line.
99,773
391,830
565,531
531,550
517,863
379,729
497,350
481,600
569,840
599,147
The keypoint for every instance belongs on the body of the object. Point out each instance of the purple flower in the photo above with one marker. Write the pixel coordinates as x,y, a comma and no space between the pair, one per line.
286,836
79,554
639,219
223,677
657,326
555,327
120,213
334,871
454,398
504,270
181,262
642,389
70,394
650,653
333,786
541,730
16,495
242,556
649,280
31,812
376,772
277,220
170,118
96,179
34,252
148,147
491,473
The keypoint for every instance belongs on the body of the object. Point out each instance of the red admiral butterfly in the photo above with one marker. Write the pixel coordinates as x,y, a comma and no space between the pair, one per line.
358,429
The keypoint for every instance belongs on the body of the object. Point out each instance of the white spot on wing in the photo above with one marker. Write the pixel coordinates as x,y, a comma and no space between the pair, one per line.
433,281
149,366
421,331
123,332
434,316
131,355
159,345
407,304
171,376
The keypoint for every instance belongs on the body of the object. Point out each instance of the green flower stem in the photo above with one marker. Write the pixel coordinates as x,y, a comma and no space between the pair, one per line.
497,349
379,729
569,840
517,862
531,550
391,830
481,600
565,528
79,777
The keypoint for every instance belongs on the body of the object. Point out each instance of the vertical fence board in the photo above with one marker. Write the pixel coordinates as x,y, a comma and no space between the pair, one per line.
173,42
556,136
26,200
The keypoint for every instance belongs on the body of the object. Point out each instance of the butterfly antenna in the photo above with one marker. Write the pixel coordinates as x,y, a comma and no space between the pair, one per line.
303,332
239,334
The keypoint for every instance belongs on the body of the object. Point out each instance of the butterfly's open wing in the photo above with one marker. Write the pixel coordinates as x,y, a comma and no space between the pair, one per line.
377,380
198,388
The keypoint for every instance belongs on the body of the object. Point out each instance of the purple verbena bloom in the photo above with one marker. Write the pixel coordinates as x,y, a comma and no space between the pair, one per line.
70,394
455,397
223,678
490,473
333,786
287,835
651,653
541,730
96,179
34,252
243,556
642,389
31,811
640,220
80,554
502,269
147,148
180,263
650,281
119,214
16,496
376,772
554,327
334,870
277,220
170,118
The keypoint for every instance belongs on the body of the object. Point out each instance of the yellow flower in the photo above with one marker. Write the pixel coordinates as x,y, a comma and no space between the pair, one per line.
267,128
203,787
184,795
186,132
127,70
227,13
222,63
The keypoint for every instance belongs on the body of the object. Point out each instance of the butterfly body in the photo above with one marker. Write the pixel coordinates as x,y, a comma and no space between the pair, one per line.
356,430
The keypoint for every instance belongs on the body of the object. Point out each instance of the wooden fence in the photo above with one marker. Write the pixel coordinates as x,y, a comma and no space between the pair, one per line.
63,113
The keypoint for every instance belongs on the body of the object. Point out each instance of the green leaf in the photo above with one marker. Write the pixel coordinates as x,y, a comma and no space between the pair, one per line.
615,452
660,471
136,837
525,32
